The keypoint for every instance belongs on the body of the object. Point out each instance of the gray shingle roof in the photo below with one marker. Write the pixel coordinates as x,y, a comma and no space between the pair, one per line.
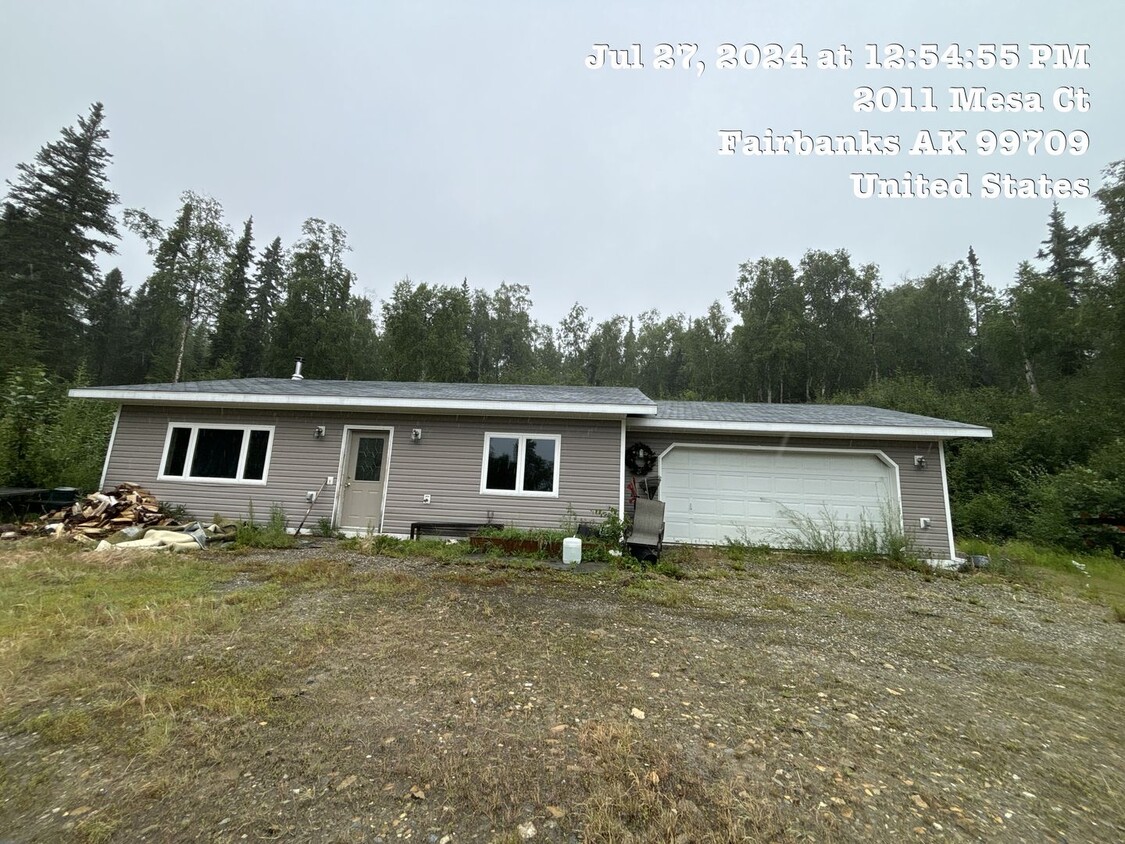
396,390
832,415
488,398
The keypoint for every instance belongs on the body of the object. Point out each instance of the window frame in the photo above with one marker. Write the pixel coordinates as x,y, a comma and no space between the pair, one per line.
190,455
520,458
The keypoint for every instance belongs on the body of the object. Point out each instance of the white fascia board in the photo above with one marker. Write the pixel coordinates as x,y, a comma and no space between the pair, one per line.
497,408
871,431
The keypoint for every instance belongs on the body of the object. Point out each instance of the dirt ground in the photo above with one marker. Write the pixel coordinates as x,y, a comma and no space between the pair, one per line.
324,694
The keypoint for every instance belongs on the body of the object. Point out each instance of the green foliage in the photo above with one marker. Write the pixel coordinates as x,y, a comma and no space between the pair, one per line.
320,319
231,341
47,439
986,514
424,336
273,534
541,535
669,567
1082,506
1097,576
923,325
70,449
28,396
108,317
185,287
268,280
613,526
180,513
56,221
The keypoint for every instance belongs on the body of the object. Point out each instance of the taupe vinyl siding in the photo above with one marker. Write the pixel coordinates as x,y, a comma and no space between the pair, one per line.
921,490
445,463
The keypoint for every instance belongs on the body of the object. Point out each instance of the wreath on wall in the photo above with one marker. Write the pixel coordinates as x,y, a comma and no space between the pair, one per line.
640,459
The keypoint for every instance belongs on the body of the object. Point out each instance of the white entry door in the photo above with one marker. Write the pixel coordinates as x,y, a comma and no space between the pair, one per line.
712,494
365,481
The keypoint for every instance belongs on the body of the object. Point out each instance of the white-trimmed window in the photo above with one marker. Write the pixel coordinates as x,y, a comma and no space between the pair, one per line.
217,453
520,464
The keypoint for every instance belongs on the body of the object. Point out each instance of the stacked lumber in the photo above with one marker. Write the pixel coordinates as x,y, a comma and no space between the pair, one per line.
100,514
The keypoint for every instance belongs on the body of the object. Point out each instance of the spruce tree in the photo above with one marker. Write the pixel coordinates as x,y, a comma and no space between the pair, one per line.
107,337
1064,250
268,282
58,220
230,343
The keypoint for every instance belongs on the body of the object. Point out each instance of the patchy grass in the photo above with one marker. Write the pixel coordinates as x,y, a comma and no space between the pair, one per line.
1098,577
660,591
400,549
360,689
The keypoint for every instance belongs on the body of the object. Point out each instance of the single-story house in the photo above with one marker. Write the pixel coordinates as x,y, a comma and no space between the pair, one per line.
382,456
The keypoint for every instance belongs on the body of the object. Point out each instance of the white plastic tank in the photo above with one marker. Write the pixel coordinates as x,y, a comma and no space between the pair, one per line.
572,550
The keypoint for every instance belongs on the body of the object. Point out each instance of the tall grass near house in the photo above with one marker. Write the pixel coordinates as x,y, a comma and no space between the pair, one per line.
273,534
827,534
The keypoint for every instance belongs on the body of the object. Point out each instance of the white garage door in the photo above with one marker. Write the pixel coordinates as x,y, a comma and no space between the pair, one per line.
711,494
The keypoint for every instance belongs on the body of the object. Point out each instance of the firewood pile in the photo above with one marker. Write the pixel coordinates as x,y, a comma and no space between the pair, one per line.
100,514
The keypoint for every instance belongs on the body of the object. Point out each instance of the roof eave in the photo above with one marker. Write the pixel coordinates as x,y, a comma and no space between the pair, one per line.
278,401
812,429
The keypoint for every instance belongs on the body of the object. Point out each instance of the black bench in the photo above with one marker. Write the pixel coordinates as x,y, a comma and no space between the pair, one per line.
53,499
18,501
450,529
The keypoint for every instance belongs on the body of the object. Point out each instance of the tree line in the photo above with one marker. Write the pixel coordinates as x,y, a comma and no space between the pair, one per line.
1042,361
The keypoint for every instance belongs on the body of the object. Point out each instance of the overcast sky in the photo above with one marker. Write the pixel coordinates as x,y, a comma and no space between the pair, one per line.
469,140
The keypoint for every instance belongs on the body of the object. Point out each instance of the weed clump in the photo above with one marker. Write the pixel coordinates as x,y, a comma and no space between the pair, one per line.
742,549
273,534
826,534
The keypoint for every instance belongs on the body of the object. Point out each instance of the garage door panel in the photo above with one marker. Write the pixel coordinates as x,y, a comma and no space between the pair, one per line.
758,485
731,482
789,486
712,494
734,508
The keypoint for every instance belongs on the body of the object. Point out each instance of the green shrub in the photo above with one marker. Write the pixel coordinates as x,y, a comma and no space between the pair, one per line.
48,439
271,535
988,514
1083,506
613,526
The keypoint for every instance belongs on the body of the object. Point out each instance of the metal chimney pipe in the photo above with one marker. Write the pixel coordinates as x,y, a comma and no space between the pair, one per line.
297,376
